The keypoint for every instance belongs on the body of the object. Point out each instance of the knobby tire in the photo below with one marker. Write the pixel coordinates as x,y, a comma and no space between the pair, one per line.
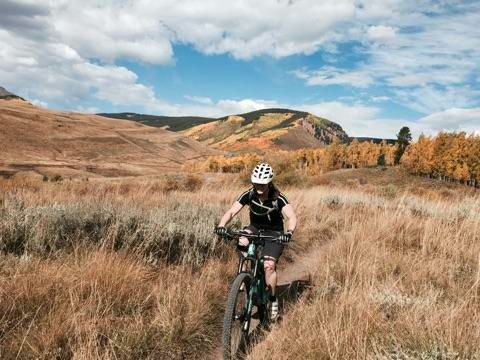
229,320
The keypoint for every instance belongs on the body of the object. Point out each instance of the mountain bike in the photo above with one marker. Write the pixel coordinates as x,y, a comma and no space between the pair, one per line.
248,292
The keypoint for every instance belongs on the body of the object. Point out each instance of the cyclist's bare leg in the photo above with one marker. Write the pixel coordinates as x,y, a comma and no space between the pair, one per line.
270,273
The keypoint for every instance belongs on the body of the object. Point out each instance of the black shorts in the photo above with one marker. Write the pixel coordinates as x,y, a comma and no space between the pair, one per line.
271,249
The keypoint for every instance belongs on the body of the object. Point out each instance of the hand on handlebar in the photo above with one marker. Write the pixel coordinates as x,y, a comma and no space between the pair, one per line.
221,231
285,238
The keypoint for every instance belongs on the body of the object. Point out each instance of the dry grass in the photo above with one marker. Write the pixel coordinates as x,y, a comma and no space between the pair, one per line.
98,304
391,284
129,269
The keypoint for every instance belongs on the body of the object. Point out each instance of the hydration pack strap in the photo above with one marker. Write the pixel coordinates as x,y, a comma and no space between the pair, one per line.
269,210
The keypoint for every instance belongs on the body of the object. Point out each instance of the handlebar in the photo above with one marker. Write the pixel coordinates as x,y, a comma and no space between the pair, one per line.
256,238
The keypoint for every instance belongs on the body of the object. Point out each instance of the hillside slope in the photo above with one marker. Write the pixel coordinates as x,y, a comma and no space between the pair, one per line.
268,129
72,144
172,123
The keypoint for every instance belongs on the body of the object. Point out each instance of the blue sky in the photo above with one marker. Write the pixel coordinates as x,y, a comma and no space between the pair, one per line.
371,66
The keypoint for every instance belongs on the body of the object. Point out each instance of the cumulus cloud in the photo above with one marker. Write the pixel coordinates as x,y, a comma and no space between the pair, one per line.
454,119
411,51
251,28
145,30
66,52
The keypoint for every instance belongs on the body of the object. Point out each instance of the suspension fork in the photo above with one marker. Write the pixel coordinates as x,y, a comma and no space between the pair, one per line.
254,290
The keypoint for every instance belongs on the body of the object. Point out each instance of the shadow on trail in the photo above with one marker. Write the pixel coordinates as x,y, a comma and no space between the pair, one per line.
290,292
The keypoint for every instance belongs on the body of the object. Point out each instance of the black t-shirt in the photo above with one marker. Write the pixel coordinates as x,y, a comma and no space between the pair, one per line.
265,215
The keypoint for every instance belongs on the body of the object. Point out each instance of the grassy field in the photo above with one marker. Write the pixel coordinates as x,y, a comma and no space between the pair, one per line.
129,268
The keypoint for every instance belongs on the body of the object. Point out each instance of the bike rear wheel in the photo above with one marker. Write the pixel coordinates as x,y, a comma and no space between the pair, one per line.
236,321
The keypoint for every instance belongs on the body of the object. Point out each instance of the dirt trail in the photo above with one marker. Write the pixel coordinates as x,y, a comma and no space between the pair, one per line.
293,277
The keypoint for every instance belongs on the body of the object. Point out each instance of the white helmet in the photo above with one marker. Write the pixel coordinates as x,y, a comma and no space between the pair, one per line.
262,174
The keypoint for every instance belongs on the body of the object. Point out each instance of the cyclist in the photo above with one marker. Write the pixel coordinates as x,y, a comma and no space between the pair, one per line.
268,207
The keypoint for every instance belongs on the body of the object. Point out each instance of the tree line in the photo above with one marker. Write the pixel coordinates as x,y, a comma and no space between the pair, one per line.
447,156
308,161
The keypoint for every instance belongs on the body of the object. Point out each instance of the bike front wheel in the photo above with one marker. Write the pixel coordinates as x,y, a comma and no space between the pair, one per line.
236,321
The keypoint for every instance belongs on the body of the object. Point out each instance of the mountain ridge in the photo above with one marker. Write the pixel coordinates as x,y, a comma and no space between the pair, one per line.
276,128
267,129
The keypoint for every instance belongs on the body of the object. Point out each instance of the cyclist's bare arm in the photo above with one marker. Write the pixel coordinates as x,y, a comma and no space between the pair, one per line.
288,213
234,210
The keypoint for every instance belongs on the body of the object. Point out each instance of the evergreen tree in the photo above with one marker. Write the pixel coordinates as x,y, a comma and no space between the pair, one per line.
404,137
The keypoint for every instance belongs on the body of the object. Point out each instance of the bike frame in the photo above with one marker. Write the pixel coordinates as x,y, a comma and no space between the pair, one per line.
258,294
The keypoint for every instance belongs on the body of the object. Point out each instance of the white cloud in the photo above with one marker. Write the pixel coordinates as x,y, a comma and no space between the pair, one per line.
39,103
64,52
332,76
356,120
222,107
251,28
408,52
109,30
246,105
56,73
362,120
454,119
145,30
60,51
382,34
430,99
380,98
200,99
87,110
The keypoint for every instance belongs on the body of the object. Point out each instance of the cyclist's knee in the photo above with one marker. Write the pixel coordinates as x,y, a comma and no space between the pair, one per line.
269,265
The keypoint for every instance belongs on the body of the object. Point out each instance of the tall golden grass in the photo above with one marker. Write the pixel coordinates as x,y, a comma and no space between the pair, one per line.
129,269
110,270
104,305
399,280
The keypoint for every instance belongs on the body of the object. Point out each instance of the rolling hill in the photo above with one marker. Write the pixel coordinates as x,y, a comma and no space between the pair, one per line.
70,144
172,123
254,131
268,129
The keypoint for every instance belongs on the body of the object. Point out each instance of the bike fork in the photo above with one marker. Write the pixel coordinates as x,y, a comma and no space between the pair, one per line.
246,324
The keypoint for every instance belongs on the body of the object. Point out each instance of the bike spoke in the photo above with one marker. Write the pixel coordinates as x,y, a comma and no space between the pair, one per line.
236,323
238,331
